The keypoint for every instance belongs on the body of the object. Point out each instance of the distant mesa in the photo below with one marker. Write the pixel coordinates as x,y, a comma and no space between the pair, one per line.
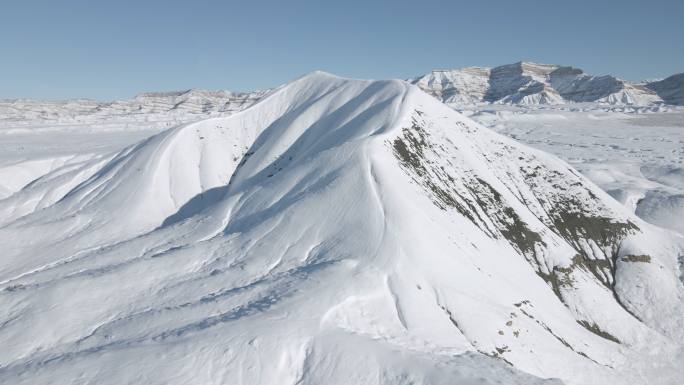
528,83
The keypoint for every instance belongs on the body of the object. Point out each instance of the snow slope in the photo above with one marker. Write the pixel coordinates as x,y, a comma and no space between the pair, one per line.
337,231
527,83
636,157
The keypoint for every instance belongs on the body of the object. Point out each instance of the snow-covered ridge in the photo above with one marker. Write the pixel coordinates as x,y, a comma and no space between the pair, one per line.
527,83
337,231
149,108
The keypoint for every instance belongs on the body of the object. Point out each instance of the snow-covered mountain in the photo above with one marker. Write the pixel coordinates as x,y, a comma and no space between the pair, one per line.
529,83
461,86
337,231
147,108
671,89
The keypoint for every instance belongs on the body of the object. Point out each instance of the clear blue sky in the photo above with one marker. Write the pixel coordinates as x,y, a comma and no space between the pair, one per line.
53,49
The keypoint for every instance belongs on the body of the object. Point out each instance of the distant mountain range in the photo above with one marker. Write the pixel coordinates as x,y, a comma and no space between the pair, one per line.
522,83
149,107
527,83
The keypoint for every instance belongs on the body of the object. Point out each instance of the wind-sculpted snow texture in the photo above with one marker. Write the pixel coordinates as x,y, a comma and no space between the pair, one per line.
526,83
338,231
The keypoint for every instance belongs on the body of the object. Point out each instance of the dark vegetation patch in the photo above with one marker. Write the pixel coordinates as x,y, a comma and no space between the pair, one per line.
518,234
607,234
561,276
637,258
578,216
576,225
523,302
497,354
569,209
507,222
472,197
592,327
411,148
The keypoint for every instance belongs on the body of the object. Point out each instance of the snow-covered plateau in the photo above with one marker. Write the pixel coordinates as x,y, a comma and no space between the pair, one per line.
528,83
339,231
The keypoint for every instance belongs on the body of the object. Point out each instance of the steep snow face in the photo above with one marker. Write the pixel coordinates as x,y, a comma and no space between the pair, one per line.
337,231
671,90
526,83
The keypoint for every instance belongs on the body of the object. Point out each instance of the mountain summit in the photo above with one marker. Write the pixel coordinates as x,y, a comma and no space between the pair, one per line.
337,231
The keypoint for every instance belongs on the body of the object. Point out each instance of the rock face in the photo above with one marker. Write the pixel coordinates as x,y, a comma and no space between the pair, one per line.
461,86
529,83
338,231
671,89
522,83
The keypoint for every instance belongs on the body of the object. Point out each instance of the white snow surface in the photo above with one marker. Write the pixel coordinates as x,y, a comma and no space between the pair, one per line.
337,231
636,155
